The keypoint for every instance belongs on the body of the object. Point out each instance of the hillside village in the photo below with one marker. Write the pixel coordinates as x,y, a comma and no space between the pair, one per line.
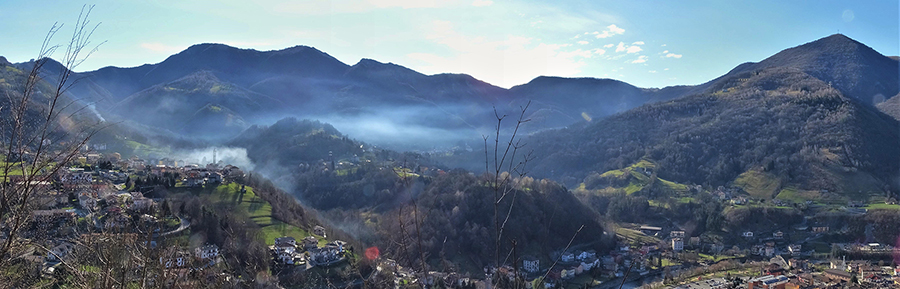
105,197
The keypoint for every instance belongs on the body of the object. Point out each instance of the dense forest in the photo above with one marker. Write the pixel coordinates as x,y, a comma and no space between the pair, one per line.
776,120
455,221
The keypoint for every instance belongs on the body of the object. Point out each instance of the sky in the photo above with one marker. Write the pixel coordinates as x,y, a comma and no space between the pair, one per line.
505,43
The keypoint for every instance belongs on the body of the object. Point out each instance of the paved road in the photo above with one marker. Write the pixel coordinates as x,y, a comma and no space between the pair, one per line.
185,223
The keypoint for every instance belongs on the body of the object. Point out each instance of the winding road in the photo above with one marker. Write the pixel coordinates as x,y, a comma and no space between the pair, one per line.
185,223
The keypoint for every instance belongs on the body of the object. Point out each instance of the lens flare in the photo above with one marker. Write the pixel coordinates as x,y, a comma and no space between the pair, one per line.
372,253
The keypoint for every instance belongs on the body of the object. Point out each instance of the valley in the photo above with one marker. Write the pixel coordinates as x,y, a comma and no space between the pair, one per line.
290,168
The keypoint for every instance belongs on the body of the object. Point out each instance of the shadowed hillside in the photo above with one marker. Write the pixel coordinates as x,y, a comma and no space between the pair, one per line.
777,120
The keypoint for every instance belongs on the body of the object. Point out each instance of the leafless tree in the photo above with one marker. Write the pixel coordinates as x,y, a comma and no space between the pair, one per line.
502,167
42,130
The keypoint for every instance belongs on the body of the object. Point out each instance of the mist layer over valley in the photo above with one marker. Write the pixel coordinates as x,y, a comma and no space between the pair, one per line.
374,147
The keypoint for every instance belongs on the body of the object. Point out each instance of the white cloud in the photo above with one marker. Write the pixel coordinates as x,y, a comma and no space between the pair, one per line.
663,45
482,3
582,42
673,55
666,69
638,43
503,62
640,59
615,29
665,51
622,47
610,30
161,48
652,71
609,45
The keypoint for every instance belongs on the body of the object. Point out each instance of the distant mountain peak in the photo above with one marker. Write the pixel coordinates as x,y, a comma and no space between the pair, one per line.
838,38
851,67
370,68
550,79
201,47
368,61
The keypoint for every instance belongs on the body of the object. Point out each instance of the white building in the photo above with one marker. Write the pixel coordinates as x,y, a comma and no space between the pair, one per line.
60,251
285,241
286,254
531,264
587,255
319,230
589,264
794,249
677,244
176,259
207,251
567,257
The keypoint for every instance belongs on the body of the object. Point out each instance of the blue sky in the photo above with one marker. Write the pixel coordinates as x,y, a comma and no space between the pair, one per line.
645,43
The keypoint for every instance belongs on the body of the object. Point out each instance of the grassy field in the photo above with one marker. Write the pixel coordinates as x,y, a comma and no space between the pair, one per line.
796,195
258,210
716,258
613,174
758,184
143,149
669,262
636,235
638,179
15,169
674,186
883,206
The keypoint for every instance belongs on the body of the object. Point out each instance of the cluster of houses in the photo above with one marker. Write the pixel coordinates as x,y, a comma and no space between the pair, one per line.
566,265
403,277
571,263
101,202
800,274
200,257
286,251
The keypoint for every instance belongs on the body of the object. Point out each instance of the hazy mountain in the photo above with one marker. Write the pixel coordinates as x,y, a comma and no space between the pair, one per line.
290,142
891,107
558,101
243,67
199,104
304,82
778,122
457,206
801,120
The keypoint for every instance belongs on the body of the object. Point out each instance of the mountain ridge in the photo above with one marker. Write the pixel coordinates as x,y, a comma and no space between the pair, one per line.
308,83
778,119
